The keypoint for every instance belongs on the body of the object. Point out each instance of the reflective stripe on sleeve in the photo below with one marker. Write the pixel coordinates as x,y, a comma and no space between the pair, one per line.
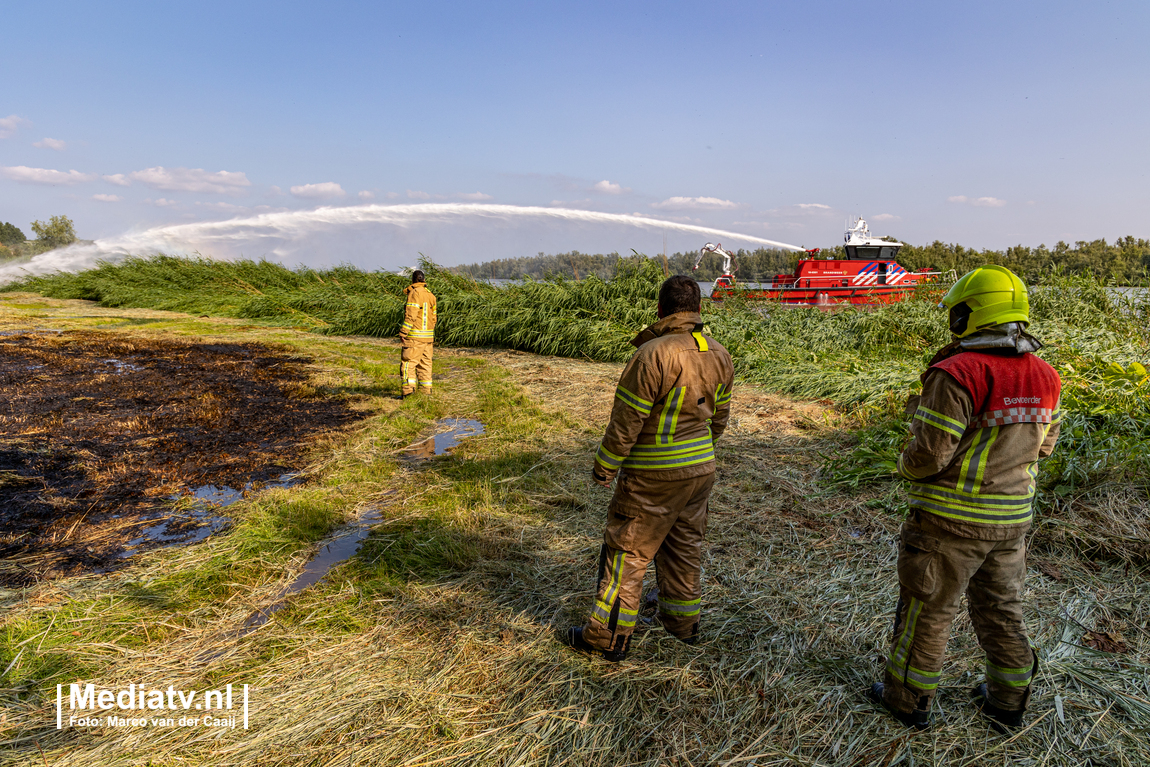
634,400
939,421
608,459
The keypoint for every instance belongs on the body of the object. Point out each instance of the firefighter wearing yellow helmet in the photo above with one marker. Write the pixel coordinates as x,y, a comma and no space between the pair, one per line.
989,410
417,337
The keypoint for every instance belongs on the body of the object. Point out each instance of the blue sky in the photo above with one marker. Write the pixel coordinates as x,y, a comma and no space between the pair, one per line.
985,123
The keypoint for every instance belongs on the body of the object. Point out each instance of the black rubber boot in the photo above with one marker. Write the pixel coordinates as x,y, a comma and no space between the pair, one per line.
918,719
1000,717
574,638
692,638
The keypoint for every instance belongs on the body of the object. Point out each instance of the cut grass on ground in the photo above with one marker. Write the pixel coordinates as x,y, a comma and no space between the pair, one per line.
436,644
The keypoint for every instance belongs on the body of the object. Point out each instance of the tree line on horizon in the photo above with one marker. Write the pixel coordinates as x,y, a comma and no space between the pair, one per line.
56,232
1126,261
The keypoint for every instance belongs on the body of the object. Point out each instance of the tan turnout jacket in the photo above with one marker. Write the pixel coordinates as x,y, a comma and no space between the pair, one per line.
419,314
671,404
972,459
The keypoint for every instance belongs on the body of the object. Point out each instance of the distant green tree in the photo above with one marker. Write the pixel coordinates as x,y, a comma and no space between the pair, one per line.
10,235
57,233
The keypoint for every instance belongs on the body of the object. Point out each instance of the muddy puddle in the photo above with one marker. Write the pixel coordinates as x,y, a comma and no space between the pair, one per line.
203,518
449,432
100,431
339,549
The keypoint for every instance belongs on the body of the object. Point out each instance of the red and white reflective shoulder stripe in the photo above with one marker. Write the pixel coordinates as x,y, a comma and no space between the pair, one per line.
1014,415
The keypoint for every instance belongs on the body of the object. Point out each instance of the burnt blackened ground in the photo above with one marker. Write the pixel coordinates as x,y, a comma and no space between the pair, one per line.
99,431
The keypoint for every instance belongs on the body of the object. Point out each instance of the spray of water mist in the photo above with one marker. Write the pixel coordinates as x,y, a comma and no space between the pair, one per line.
278,234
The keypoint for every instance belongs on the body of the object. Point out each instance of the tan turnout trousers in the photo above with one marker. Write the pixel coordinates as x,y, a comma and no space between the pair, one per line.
935,568
650,518
415,365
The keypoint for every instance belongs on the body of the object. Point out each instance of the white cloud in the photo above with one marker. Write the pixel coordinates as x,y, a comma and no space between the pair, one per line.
119,179
474,196
192,180
978,202
226,207
812,206
107,197
366,195
325,191
46,176
162,203
607,187
414,195
885,217
10,124
694,203
393,195
51,143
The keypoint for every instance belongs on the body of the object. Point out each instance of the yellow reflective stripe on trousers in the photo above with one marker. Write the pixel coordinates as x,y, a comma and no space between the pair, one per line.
1009,677
669,418
685,609
602,607
898,664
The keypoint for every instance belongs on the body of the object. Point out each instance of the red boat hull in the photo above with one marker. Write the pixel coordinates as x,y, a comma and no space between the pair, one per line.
830,282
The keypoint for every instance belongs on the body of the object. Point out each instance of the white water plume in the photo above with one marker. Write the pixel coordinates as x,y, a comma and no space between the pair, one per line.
388,236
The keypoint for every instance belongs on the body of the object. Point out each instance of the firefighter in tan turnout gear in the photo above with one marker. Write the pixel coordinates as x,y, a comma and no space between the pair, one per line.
989,410
417,334
670,406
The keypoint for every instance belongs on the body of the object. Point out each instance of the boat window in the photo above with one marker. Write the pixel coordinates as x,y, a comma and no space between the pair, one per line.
882,273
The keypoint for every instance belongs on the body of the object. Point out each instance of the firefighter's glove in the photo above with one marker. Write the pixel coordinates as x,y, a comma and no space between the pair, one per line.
601,479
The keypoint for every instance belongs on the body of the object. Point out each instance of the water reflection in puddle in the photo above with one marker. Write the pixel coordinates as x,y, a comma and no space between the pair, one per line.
445,441
203,519
121,367
339,549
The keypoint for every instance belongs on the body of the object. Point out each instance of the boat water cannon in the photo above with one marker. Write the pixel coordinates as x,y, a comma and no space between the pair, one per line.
717,249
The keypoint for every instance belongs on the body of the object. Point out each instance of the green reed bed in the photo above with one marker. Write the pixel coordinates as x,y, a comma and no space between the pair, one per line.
866,362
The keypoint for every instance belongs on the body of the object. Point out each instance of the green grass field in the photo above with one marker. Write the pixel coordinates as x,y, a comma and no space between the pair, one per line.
435,645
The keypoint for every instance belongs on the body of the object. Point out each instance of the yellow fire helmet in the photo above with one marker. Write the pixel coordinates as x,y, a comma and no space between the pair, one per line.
987,296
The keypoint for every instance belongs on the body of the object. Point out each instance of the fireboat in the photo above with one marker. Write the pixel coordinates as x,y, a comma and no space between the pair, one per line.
868,275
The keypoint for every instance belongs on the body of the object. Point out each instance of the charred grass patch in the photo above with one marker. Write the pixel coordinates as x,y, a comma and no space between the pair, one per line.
100,432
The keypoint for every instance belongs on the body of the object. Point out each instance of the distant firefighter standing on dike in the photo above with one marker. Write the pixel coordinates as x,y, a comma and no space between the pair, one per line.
671,404
989,410
417,333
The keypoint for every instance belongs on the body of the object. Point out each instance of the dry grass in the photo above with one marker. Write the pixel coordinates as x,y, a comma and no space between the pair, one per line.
393,661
